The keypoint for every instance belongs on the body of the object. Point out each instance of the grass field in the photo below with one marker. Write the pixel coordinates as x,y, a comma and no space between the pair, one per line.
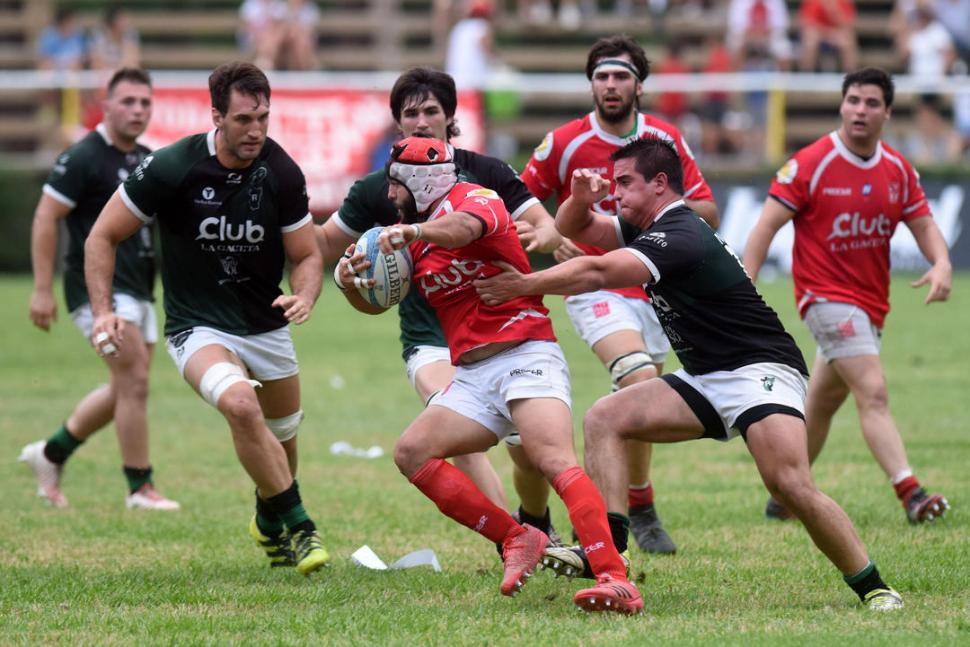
97,574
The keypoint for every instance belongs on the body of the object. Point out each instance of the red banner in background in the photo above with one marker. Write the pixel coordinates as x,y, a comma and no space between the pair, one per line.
334,135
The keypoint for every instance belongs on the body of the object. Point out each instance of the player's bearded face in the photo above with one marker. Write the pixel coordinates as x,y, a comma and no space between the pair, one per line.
614,94
128,109
244,126
403,201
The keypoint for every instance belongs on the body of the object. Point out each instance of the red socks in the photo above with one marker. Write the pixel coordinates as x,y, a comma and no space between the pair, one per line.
905,487
457,497
587,511
640,497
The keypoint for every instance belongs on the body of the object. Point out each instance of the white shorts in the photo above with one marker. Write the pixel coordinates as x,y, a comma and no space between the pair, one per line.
134,311
482,391
421,356
268,356
728,402
842,330
598,314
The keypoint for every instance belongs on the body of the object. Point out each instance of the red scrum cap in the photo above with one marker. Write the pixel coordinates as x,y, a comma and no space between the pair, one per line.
425,166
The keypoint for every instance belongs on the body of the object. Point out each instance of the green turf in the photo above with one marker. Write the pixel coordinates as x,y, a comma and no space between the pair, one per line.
97,574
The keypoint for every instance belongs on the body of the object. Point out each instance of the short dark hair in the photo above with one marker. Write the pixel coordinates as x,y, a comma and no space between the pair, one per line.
871,76
244,78
421,83
111,13
130,74
614,46
652,156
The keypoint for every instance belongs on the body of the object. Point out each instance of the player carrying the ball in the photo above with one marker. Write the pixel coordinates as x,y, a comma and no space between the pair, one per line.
510,372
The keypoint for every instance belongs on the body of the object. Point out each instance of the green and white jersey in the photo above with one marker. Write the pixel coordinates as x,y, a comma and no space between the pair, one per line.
367,205
221,231
84,178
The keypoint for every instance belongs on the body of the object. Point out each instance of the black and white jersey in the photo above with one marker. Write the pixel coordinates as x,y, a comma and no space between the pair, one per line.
708,307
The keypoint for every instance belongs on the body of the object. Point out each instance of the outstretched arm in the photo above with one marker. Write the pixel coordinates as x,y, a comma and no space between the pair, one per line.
773,216
617,269
537,230
931,242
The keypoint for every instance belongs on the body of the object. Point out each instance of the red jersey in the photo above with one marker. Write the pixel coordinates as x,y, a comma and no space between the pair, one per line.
445,277
582,143
846,210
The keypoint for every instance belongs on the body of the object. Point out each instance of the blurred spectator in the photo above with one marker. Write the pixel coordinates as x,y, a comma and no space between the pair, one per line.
829,23
931,140
672,106
760,24
261,30
115,43
298,46
470,47
716,139
929,47
62,45
539,12
955,16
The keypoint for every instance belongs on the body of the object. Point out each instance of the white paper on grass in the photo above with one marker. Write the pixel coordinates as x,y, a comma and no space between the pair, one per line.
367,558
343,448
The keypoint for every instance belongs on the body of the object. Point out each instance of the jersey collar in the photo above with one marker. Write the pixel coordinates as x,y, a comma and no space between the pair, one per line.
103,131
670,207
210,141
611,138
851,157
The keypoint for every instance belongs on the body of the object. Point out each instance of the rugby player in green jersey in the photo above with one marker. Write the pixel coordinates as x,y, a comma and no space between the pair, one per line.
231,208
79,185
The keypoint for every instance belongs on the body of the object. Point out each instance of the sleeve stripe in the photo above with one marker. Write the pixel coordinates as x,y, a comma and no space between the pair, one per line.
60,197
525,206
619,231
646,261
693,189
485,229
297,225
344,227
132,206
784,203
914,207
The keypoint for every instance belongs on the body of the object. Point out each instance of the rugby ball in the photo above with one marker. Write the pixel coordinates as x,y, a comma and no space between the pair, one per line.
391,272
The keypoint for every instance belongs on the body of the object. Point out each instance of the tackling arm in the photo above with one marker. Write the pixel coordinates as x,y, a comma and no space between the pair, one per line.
931,242
773,216
542,236
43,249
617,269
332,240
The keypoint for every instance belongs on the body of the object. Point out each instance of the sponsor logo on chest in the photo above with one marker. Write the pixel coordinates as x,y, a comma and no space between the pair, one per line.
851,231
457,276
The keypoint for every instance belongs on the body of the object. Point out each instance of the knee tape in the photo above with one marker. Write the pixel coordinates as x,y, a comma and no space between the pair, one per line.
219,377
285,428
627,364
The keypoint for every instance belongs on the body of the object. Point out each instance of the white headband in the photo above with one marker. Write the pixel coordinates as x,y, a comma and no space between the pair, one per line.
616,65
426,182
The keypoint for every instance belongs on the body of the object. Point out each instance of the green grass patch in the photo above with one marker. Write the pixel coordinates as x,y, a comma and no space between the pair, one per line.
98,574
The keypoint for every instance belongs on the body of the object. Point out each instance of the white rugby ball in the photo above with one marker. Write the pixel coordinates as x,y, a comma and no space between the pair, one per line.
391,272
